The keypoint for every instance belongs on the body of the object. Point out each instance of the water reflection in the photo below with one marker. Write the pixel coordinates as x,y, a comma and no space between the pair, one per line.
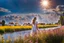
21,33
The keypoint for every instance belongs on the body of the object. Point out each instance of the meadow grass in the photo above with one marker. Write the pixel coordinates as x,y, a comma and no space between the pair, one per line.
43,36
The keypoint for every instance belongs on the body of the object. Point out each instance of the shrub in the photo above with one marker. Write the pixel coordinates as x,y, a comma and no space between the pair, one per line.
54,39
9,30
1,31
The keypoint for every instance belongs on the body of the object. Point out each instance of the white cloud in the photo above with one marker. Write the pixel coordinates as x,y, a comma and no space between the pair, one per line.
60,6
4,10
21,18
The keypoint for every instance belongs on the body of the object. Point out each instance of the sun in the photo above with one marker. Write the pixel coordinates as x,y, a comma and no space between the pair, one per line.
44,3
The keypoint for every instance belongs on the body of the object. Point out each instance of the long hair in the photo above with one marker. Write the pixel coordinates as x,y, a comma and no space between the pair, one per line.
33,21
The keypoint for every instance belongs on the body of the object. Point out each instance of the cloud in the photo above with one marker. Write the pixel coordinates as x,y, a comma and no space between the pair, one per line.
23,18
4,10
60,7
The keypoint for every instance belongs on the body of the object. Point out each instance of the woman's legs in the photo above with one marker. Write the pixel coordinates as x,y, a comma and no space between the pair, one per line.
33,33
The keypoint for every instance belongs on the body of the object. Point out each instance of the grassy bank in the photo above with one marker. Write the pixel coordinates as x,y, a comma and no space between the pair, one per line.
46,36
5,29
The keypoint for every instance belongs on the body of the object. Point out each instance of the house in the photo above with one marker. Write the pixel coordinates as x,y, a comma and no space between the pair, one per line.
41,23
11,24
0,23
27,24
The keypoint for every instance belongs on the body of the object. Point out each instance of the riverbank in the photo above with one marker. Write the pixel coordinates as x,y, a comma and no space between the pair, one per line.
44,36
9,29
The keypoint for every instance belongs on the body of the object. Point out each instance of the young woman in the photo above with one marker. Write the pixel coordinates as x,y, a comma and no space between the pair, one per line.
34,26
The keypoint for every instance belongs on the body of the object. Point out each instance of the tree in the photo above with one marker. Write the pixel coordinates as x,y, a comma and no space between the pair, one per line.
3,22
61,11
61,16
62,19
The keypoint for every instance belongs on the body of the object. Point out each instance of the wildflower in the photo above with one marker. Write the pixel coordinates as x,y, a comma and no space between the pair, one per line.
3,40
7,41
36,40
30,41
26,36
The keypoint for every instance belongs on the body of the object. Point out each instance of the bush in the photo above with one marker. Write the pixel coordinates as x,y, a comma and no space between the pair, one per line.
1,31
9,30
54,39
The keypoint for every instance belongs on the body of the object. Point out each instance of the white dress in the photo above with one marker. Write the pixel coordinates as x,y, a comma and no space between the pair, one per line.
34,28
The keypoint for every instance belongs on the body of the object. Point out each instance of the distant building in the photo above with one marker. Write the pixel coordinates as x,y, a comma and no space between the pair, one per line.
11,24
27,24
41,23
0,23
17,24
49,23
57,23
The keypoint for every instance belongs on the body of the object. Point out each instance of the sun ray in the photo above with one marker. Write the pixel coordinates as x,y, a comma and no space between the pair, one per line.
44,3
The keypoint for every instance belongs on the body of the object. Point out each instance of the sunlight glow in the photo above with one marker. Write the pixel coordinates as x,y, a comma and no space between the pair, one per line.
44,3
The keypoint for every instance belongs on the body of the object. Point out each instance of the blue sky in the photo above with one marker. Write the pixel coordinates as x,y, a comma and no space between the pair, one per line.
20,6
25,6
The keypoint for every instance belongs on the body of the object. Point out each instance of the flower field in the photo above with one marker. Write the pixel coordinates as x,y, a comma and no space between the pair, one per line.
5,29
43,36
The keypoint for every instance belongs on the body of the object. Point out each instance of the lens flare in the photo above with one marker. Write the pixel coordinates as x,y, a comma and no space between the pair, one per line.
44,3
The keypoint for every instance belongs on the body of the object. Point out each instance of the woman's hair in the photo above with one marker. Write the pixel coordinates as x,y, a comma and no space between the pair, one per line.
33,21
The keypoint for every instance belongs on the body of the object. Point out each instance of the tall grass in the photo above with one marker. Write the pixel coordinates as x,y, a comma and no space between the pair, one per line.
43,36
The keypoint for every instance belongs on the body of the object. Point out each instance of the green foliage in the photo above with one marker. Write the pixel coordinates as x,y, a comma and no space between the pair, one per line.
3,23
1,31
9,30
63,41
62,20
54,39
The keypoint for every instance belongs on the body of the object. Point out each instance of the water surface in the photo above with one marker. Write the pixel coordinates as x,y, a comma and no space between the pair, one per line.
22,33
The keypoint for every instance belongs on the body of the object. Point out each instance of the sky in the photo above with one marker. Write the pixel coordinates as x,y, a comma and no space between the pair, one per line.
24,6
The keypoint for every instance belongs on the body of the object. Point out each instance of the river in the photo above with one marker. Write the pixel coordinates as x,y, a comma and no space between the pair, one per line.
22,33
